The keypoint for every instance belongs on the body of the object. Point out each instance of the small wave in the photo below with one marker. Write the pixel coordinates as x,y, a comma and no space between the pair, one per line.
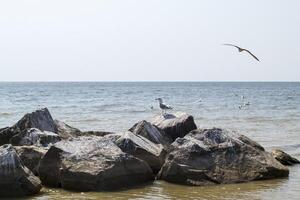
5,114
88,120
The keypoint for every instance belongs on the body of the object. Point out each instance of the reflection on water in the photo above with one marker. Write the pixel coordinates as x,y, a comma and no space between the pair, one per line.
270,189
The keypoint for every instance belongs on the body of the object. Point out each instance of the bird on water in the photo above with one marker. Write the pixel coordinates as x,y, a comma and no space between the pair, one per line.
242,49
163,106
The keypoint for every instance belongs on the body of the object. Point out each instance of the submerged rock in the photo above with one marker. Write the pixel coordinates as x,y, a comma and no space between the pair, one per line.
91,164
31,156
151,132
40,119
142,148
16,180
215,156
284,158
34,136
175,126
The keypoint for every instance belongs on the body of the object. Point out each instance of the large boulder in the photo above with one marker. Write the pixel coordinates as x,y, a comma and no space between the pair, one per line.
215,156
16,180
142,148
40,119
31,156
174,126
91,163
284,158
151,132
34,136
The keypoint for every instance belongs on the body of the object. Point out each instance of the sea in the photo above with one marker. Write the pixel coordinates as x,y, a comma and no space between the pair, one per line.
267,112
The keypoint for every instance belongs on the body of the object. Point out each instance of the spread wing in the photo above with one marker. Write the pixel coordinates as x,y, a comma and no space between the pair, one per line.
232,45
252,54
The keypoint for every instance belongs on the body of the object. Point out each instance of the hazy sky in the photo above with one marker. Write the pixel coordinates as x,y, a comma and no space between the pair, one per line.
167,40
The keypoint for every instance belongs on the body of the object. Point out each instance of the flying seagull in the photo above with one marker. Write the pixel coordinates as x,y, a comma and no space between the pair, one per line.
242,49
163,106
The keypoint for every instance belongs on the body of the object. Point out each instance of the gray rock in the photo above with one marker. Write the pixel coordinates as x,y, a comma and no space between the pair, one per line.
66,131
151,132
142,148
284,158
16,180
215,156
96,133
91,164
174,126
31,156
40,119
34,136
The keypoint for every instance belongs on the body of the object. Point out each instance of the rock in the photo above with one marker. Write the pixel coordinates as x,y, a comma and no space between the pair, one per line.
142,148
175,126
91,163
66,131
96,133
6,134
152,133
284,158
40,119
34,136
16,180
31,156
215,156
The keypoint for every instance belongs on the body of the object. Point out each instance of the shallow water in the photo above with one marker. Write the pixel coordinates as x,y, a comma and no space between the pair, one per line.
272,119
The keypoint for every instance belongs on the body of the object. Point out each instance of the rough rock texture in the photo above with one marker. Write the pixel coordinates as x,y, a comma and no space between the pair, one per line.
34,136
31,156
66,131
152,133
284,158
215,156
15,179
174,126
96,133
40,119
142,148
91,164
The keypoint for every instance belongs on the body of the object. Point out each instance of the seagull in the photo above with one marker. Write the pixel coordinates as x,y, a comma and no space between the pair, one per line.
163,106
242,49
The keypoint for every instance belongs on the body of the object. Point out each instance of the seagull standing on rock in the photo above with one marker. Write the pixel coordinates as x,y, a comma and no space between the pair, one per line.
163,106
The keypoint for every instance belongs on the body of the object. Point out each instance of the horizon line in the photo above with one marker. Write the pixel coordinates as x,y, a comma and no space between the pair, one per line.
149,81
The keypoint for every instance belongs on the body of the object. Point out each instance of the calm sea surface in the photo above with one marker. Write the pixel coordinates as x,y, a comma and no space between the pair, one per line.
272,119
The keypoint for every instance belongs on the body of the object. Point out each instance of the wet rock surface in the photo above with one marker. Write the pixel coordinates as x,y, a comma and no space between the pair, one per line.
284,158
177,125
91,164
142,148
16,180
215,156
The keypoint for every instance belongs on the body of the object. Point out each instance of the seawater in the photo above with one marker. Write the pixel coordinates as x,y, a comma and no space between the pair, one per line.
272,119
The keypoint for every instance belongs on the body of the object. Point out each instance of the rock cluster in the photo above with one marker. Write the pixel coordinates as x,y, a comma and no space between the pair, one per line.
39,150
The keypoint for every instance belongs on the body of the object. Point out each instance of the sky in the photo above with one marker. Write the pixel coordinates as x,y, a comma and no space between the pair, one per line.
149,40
